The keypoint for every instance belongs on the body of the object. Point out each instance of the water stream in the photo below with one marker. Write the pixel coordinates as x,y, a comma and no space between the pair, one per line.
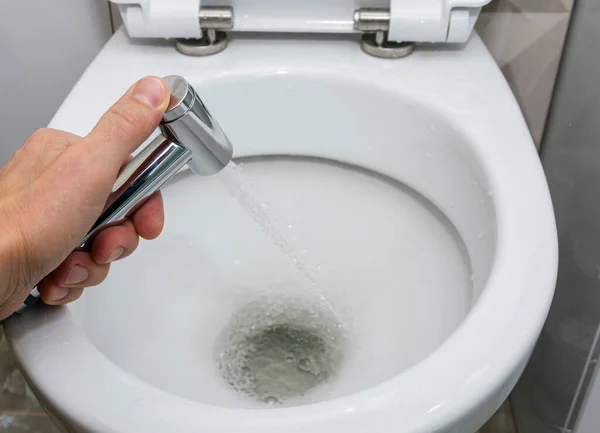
264,216
278,348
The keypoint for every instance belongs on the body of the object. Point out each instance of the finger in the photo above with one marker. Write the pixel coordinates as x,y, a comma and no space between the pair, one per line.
115,243
149,219
48,289
78,270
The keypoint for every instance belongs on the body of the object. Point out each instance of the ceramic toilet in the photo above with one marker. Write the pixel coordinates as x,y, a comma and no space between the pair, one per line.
386,218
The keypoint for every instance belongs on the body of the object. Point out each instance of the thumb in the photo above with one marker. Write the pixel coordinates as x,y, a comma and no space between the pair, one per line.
92,165
128,123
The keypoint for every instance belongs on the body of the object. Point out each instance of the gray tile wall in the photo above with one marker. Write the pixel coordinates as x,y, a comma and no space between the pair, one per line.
555,385
526,38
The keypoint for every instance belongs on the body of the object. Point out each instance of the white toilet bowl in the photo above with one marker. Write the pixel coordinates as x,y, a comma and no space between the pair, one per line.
413,196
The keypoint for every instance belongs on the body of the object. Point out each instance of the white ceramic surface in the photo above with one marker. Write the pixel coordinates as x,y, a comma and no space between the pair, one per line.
449,345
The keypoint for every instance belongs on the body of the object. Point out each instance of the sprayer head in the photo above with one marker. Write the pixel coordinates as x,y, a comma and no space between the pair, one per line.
188,123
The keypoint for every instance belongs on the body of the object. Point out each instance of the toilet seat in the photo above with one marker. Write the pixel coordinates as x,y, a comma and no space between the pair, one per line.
448,21
470,374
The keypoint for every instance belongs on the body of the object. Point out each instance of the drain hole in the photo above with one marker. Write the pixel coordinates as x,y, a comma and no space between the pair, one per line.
282,361
279,349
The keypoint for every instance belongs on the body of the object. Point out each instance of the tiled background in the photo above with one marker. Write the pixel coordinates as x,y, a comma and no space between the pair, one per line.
526,39
524,36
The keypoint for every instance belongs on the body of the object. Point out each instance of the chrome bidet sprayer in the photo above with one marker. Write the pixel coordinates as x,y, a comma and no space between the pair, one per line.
189,135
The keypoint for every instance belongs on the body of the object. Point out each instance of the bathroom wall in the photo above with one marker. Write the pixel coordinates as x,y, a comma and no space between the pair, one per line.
44,48
526,39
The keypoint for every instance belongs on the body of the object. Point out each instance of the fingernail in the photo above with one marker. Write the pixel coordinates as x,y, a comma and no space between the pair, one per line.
57,294
77,275
118,252
150,91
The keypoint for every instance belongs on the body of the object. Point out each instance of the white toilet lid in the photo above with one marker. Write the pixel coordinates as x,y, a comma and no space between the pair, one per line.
448,21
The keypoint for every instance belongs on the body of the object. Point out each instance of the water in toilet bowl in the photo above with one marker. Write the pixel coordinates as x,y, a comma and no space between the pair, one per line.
279,347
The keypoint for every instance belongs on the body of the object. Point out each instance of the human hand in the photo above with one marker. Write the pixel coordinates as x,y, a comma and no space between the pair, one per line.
53,190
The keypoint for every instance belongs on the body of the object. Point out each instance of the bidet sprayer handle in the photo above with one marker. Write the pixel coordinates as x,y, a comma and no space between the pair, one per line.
189,135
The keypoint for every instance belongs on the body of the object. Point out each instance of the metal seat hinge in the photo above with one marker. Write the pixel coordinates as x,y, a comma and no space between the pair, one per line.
375,25
213,23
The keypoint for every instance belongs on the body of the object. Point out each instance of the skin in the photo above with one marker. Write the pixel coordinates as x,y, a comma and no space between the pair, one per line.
53,190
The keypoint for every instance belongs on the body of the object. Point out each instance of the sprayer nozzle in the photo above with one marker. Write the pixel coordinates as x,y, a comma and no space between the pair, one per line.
188,123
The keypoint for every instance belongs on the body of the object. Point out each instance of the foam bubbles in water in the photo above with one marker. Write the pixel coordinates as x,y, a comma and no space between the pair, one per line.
280,347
